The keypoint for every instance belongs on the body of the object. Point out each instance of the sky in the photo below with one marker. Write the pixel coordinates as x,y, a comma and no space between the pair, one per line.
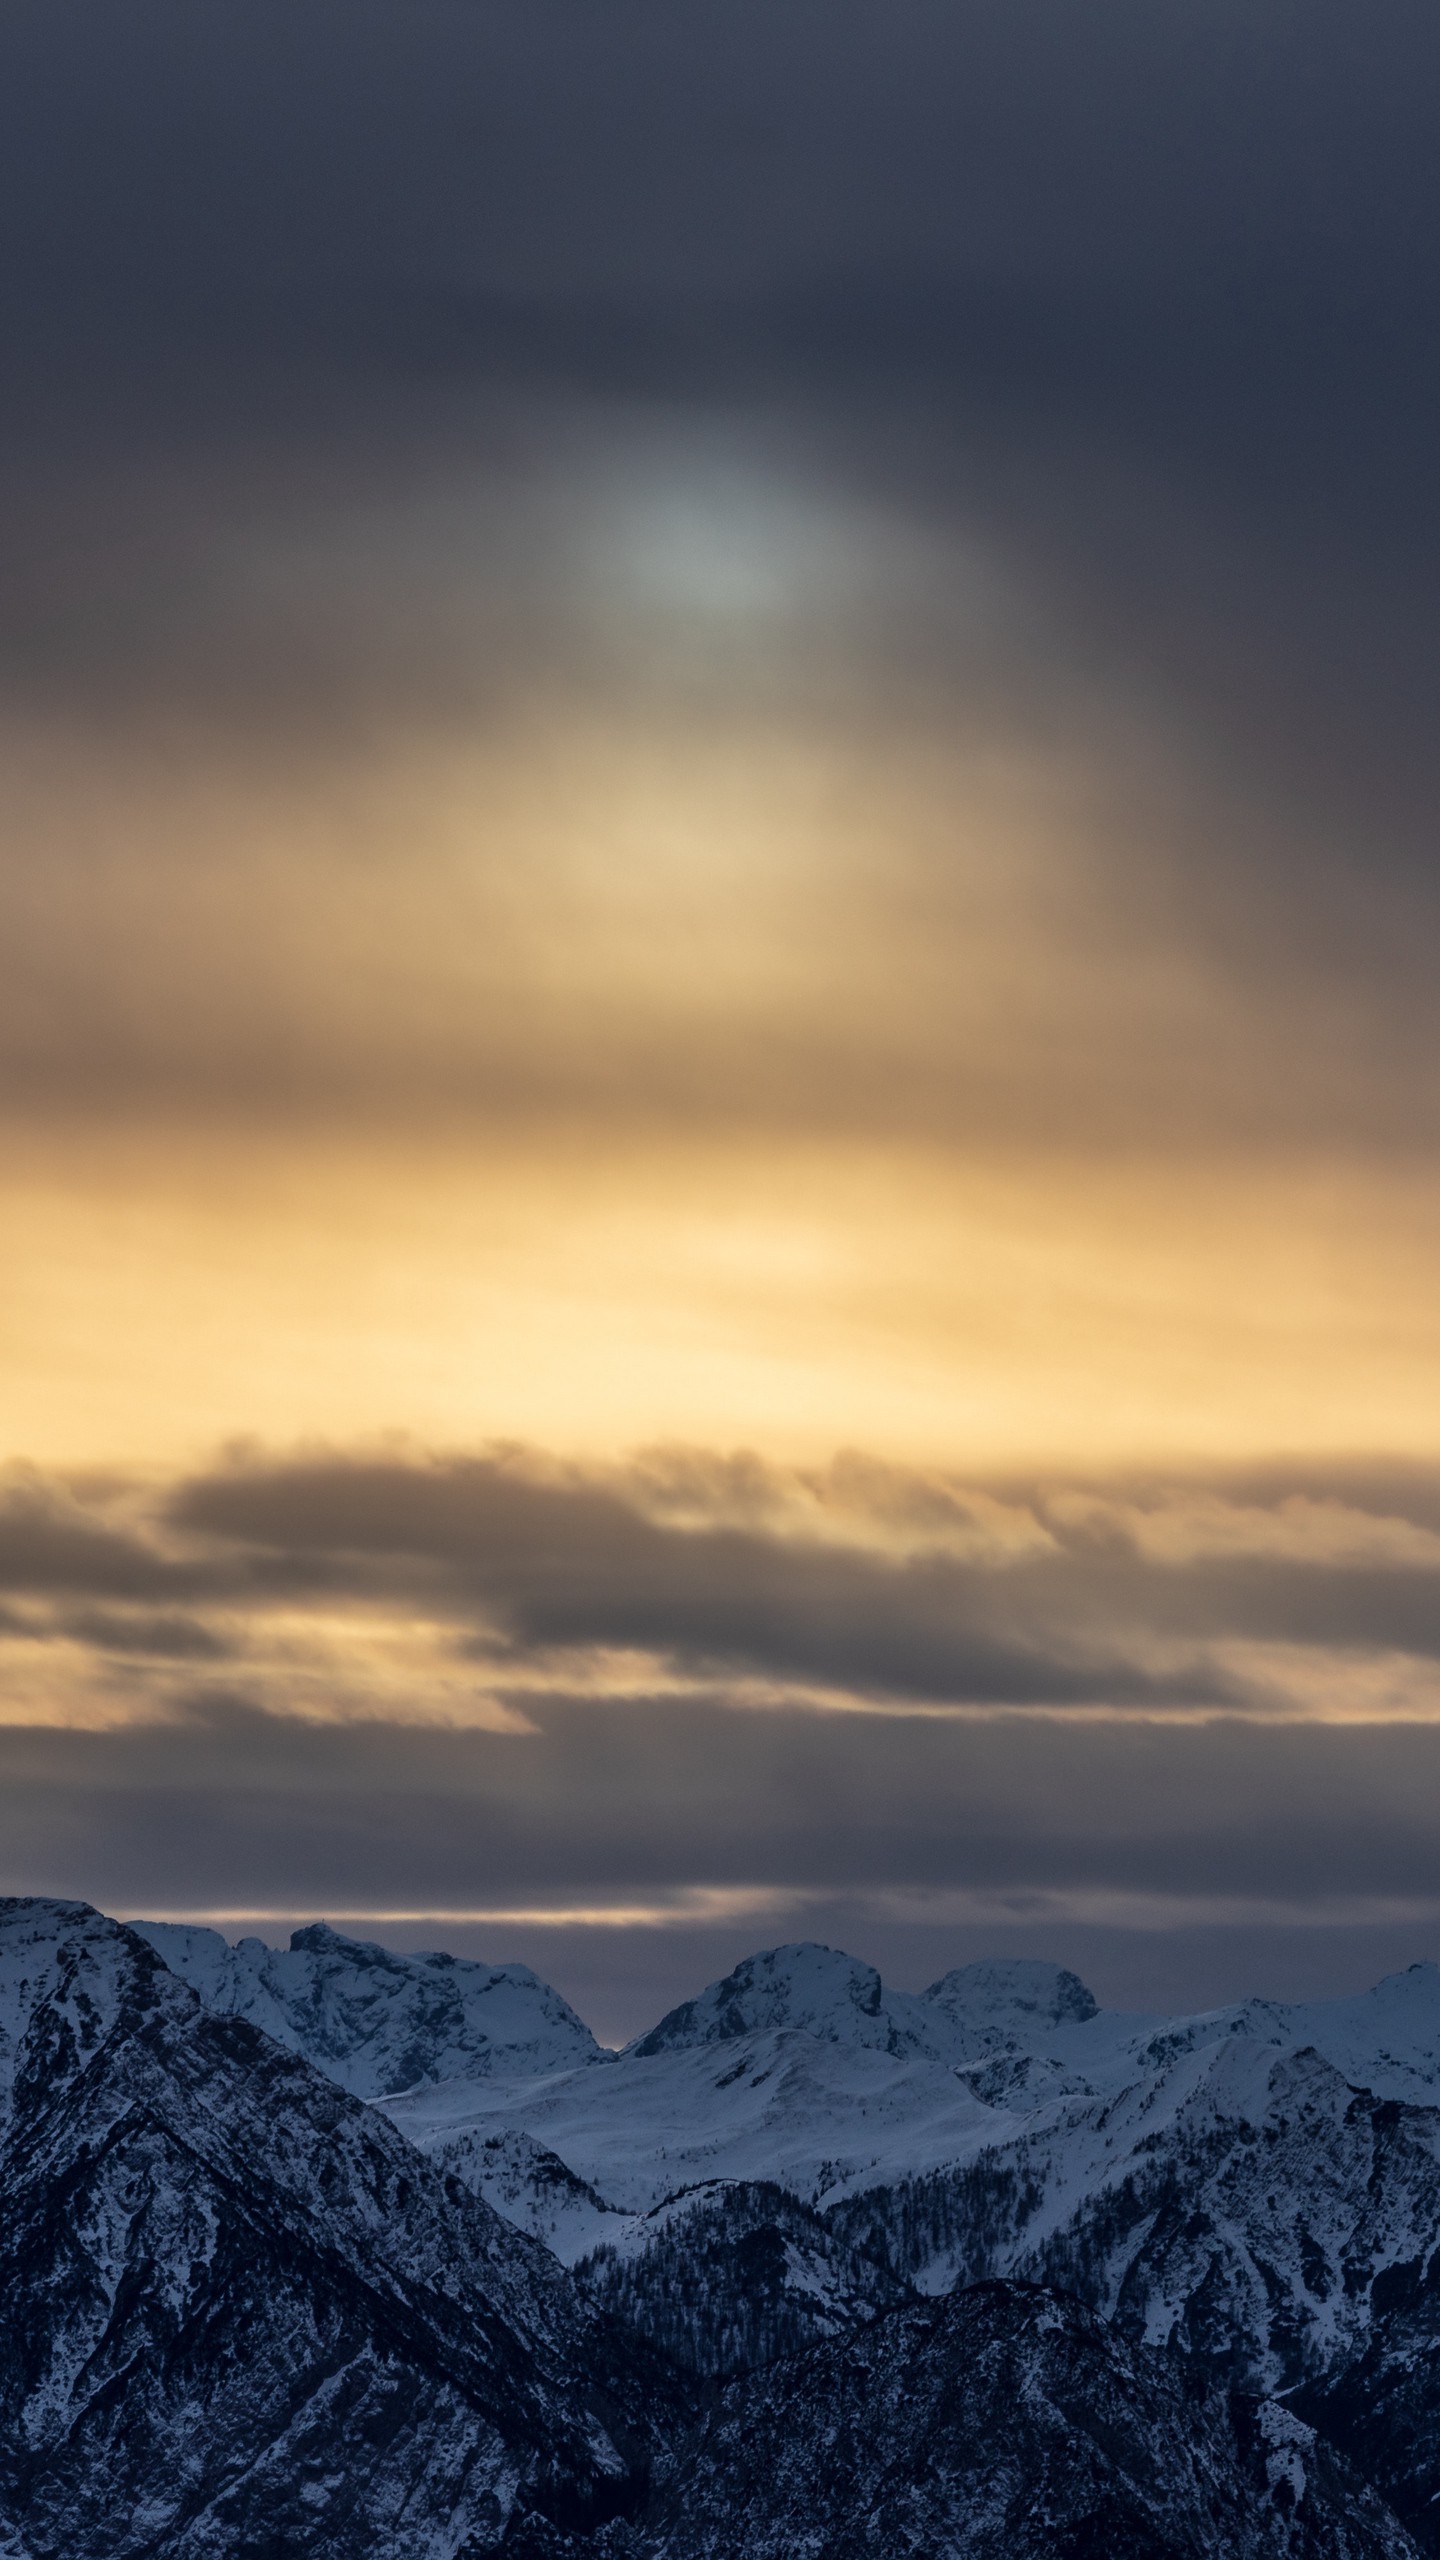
718,1087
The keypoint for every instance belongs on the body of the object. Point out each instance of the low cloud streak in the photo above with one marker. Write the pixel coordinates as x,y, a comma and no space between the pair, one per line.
507,1586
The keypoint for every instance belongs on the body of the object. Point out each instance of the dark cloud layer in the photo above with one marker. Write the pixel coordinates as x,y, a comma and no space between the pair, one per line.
569,1560
1185,1864
855,1584
321,323
443,164
559,1564
626,1799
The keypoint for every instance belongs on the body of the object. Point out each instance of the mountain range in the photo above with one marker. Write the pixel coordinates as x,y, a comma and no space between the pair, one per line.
335,2251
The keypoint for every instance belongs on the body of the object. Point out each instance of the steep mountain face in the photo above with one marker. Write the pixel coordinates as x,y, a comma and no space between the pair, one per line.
242,2315
726,2278
1382,2408
533,2188
1244,2205
1252,2218
46,1945
1004,2424
1261,2237
374,2021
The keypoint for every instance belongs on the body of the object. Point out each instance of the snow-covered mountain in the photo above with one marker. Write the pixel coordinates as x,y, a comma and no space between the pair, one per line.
801,2068
375,2021
814,2115
812,1988
1248,2207
1018,2009
242,2313
1006,1998
46,1949
798,2156
1248,2187
247,2315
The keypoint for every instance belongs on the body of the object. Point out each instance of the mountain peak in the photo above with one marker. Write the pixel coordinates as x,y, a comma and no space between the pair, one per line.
818,1989
50,1949
1015,1991
376,2020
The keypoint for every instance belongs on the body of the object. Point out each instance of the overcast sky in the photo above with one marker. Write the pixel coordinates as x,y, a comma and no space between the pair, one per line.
718,906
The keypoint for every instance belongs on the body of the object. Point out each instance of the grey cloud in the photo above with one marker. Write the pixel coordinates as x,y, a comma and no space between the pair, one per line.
54,1545
535,1567
982,248
570,1561
148,1636
49,1545
1347,1606
480,157
576,1563
615,1800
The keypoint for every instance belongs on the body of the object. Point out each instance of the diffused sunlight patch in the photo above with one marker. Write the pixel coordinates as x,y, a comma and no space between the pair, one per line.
164,1292
1342,1684
697,1906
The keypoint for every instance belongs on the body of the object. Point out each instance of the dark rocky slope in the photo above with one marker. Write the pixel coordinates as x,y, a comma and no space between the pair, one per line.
1384,2407
1006,2423
731,2276
1292,2245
